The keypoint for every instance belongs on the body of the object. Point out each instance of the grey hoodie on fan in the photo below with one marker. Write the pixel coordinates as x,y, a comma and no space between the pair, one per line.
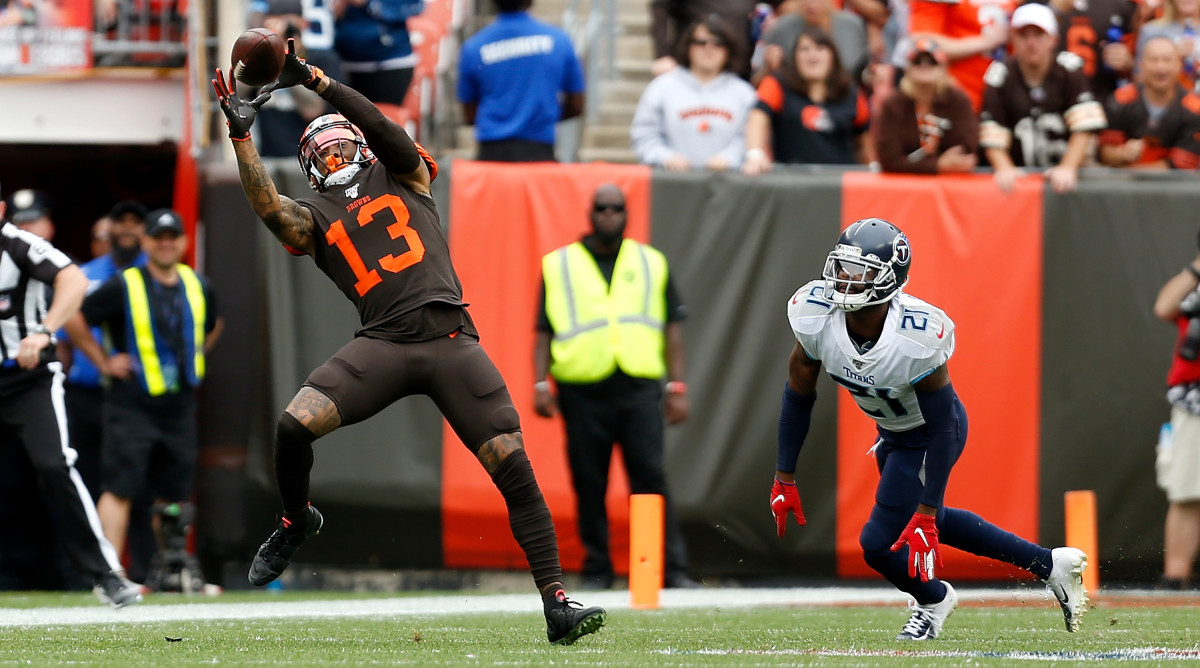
678,114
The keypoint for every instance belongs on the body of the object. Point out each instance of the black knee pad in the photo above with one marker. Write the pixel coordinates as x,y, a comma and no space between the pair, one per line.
290,433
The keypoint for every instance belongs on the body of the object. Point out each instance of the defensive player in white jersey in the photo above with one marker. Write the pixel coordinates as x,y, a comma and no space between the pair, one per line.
890,349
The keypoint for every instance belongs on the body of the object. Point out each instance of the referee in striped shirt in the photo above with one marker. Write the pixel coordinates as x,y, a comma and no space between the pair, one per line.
32,412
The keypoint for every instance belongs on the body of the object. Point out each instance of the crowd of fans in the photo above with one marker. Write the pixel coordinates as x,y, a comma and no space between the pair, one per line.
927,87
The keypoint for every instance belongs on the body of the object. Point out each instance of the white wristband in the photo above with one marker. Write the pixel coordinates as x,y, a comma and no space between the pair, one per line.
756,154
542,386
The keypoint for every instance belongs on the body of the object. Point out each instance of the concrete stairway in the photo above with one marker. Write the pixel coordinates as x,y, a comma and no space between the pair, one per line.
606,134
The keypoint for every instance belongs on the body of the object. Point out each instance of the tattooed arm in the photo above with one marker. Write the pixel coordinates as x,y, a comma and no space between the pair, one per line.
291,223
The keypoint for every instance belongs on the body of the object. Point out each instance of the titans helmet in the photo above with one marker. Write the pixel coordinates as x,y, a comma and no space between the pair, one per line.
869,265
320,134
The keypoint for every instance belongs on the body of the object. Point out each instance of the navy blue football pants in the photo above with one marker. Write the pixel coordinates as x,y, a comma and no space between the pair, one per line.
896,499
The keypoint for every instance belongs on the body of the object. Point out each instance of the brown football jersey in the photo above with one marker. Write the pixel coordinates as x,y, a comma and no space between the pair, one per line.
383,245
1171,134
1033,123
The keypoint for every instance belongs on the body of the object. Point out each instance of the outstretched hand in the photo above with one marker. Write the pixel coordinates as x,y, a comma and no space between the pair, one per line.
239,114
924,551
295,71
784,497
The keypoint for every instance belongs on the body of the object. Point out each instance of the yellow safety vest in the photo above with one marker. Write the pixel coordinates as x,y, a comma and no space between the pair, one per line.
599,328
144,341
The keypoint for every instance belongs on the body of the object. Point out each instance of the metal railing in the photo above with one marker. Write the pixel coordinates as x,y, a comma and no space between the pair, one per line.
139,32
595,40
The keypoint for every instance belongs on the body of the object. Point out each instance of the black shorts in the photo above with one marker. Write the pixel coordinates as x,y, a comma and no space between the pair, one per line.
368,375
155,450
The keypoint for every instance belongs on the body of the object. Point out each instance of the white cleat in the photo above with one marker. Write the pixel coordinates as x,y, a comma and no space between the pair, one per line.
1066,583
925,621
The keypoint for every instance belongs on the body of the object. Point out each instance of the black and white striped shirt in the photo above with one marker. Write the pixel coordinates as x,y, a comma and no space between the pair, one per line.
28,264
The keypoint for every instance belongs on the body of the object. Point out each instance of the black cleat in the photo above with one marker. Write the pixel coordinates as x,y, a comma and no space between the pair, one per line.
568,621
275,554
114,589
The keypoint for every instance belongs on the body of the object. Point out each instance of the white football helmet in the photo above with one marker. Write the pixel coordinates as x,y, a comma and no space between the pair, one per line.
336,167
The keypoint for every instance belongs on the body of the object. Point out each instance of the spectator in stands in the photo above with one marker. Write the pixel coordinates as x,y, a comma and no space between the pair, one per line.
670,18
1154,124
511,74
809,113
1178,464
31,212
162,320
1102,33
695,115
847,29
927,126
1179,22
290,110
371,36
971,35
1046,98
876,14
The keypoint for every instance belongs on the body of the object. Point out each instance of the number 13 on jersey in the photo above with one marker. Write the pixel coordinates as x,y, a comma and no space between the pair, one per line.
369,278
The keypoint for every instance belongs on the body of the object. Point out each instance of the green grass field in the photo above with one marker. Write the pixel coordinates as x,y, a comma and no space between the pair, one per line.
765,636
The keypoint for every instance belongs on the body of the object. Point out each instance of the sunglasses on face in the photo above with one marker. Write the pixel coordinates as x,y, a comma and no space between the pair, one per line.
601,208
707,42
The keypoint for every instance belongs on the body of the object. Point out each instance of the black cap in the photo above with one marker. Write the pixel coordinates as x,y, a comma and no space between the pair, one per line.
27,206
161,221
128,206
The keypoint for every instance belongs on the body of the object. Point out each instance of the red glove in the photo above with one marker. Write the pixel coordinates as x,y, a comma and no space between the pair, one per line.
922,539
784,497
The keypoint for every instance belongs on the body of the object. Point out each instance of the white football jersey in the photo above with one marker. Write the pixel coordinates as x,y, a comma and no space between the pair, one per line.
917,338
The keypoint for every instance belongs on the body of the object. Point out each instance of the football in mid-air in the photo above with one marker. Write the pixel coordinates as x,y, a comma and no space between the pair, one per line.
257,57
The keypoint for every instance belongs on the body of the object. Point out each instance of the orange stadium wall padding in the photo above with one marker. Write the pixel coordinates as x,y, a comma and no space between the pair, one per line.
503,219
996,364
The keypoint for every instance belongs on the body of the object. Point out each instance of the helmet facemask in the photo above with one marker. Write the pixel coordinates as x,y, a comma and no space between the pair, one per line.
853,280
327,167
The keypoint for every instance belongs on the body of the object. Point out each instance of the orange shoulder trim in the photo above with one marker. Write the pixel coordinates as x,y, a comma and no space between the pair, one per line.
1126,94
770,91
429,161
1191,102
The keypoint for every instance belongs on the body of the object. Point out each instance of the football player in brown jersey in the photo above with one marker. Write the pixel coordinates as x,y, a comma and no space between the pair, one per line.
372,227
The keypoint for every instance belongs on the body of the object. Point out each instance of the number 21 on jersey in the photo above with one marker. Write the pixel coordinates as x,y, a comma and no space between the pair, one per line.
369,278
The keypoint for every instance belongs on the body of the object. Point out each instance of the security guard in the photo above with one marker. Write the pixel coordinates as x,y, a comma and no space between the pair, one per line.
32,414
161,318
609,333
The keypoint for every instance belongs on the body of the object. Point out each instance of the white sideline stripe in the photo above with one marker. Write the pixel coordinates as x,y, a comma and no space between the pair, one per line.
451,604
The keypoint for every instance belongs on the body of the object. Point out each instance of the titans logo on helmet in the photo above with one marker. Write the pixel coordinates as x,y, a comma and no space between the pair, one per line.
901,250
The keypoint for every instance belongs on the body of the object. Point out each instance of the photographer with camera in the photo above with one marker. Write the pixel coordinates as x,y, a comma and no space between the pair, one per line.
1178,464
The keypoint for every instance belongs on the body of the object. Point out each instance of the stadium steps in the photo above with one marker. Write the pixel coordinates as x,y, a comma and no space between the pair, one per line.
606,135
